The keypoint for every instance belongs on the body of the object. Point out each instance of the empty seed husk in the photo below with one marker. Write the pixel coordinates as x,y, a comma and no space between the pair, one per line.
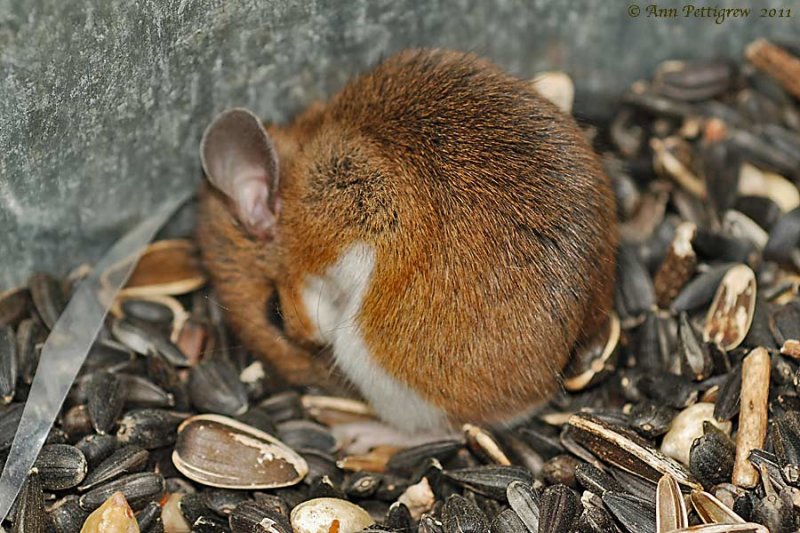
713,511
626,451
167,267
731,313
670,508
221,452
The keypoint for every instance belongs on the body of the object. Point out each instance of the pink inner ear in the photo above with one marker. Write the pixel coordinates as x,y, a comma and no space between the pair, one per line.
251,197
240,160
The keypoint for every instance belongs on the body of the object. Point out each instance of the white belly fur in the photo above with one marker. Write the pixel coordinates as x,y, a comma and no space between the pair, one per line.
333,303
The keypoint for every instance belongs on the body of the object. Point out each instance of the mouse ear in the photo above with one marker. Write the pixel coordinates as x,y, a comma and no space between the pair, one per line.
240,160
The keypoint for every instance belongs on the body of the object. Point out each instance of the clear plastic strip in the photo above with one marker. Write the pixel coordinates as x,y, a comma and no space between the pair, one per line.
67,346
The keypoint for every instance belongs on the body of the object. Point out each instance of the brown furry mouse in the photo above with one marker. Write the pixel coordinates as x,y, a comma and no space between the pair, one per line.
445,230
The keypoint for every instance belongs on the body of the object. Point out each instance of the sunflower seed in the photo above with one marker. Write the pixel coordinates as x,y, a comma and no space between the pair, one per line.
670,508
303,434
149,428
258,517
96,448
699,292
66,516
688,426
626,451
13,306
634,513
60,466
525,502
126,460
221,452
214,386
560,508
711,456
149,519
407,460
139,489
489,480
29,334
459,515
47,296
8,364
30,516
713,511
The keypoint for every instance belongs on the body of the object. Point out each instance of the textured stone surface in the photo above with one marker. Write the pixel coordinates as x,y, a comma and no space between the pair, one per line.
102,102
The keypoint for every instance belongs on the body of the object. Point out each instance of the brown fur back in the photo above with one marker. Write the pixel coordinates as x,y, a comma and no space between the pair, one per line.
493,223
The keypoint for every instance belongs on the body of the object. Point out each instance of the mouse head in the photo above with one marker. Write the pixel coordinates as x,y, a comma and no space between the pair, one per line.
244,250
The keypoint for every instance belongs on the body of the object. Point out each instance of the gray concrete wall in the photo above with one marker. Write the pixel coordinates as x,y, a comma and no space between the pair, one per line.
102,102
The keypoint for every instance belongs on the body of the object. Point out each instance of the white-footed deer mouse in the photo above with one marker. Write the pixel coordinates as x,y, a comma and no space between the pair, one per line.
445,230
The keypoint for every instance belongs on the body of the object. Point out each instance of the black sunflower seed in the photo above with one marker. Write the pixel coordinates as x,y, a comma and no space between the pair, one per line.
507,522
214,387
149,519
60,466
30,516
490,480
13,306
8,364
149,428
711,456
258,517
138,489
66,515
105,400
405,461
126,460
30,333
525,502
459,515
633,513
97,447
48,297
560,509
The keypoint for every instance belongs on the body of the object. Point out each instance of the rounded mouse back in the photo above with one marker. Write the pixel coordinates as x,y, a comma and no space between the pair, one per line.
442,227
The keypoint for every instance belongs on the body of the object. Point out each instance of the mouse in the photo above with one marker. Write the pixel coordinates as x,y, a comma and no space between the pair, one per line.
438,236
